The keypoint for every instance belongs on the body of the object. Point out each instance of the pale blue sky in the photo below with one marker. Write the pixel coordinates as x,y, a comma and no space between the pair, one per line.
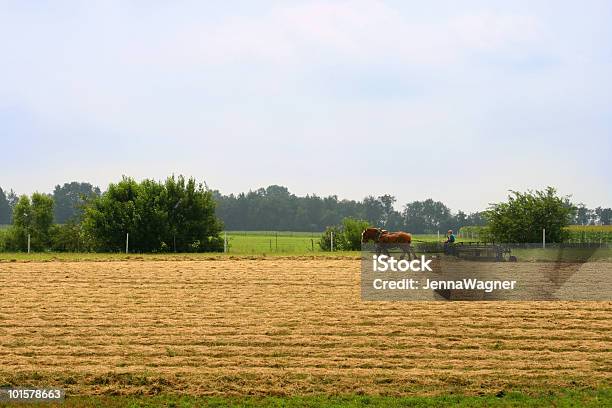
457,101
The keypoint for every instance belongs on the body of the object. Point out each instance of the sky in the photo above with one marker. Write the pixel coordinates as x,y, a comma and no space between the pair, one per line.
455,101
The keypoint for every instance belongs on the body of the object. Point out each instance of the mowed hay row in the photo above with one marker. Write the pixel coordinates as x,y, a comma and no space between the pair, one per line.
279,326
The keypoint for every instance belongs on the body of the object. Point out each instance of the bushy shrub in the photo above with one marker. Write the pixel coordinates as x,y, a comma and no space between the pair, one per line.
156,215
347,237
326,238
524,215
3,232
352,229
69,237
15,240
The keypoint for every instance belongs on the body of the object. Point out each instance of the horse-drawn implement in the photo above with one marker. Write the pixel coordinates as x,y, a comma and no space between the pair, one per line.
474,251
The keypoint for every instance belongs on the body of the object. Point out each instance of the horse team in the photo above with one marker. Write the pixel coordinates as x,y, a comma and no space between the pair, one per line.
386,240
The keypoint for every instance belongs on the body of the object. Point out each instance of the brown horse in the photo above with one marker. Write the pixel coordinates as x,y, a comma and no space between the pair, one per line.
385,240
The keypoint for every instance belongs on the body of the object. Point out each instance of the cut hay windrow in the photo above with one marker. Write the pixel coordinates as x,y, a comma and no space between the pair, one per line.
279,327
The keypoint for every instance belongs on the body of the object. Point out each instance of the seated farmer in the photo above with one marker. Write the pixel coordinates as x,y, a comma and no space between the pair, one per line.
450,240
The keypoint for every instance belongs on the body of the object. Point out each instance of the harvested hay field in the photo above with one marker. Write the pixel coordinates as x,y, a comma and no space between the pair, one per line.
279,327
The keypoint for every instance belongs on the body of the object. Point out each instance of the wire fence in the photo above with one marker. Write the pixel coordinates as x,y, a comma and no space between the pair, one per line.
258,242
577,235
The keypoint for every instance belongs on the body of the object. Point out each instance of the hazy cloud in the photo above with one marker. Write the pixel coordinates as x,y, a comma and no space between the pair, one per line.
457,101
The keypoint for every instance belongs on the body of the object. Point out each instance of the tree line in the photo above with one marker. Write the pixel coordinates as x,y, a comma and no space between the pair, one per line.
182,215
68,201
275,208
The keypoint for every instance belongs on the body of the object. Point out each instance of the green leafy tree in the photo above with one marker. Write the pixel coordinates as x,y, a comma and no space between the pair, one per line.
108,218
427,216
476,219
158,216
524,215
69,237
34,217
332,232
42,218
12,199
70,198
22,225
604,215
374,211
347,236
190,211
352,229
5,209
584,215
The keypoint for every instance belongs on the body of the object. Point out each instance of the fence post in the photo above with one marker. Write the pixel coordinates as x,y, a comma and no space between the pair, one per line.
543,237
312,244
331,246
28,243
127,242
438,235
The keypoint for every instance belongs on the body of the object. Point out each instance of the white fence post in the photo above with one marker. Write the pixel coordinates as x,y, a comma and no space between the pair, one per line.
438,235
127,242
332,241
543,237
28,243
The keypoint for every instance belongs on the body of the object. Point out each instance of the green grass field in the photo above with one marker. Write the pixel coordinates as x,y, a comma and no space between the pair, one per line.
267,242
523,255
562,398
287,243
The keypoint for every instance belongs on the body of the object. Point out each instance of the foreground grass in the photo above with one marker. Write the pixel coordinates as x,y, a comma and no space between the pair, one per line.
566,398
523,255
